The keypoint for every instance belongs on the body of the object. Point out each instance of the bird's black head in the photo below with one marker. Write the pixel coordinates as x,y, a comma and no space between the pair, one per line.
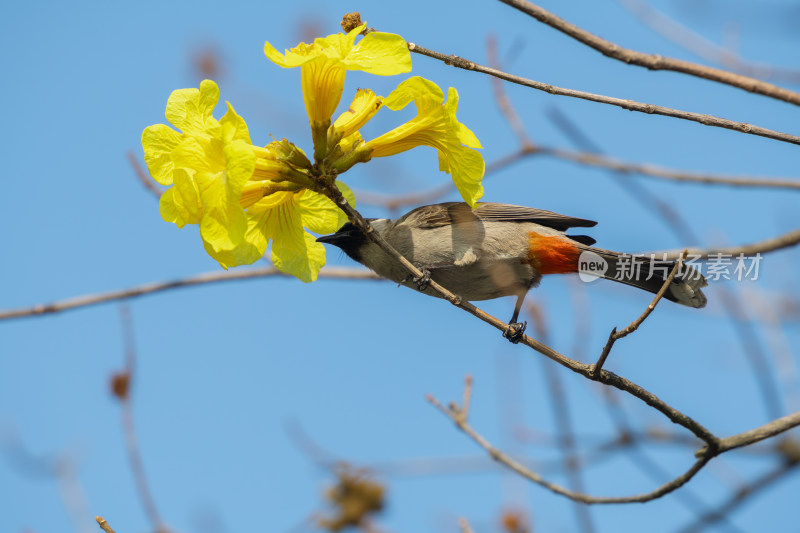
349,238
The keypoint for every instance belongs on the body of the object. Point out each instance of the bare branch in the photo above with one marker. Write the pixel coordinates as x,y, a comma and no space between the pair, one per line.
502,100
104,525
144,179
770,245
464,526
630,105
525,472
616,335
695,43
654,61
150,288
622,168
766,431
129,428
741,495
656,171
566,442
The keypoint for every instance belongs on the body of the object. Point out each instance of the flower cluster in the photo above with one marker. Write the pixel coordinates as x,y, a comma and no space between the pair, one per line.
244,196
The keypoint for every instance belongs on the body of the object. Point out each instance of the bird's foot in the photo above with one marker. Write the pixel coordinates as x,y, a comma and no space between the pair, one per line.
422,281
515,331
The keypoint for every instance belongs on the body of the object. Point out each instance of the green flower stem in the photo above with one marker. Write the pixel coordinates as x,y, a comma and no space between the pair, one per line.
281,187
319,134
297,177
362,154
334,135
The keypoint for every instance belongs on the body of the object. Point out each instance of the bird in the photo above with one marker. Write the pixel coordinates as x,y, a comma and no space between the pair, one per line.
498,250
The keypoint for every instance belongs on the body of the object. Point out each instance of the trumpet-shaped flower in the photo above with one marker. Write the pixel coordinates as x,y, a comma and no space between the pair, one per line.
325,61
281,217
209,163
364,106
436,126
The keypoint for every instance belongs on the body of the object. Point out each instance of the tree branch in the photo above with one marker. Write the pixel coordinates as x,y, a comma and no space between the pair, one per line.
654,61
770,245
150,288
615,335
455,414
630,105
689,40
766,431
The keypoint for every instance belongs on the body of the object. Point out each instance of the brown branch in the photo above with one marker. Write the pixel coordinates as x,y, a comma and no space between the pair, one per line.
128,426
786,240
695,43
656,171
502,99
766,431
654,61
150,288
394,202
630,105
565,433
455,415
103,524
615,335
740,496
143,177
464,526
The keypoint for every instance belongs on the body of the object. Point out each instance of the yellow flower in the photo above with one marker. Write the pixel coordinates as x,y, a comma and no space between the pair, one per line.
325,61
436,126
281,217
209,163
364,106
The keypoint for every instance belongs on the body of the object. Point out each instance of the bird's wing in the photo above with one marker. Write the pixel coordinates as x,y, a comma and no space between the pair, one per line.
432,216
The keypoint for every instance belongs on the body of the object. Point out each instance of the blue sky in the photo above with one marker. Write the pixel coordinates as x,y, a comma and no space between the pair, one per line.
222,369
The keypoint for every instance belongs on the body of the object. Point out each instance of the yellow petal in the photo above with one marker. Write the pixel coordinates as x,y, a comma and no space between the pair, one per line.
158,141
183,202
467,168
234,128
363,107
190,110
318,213
383,54
424,93
293,250
322,82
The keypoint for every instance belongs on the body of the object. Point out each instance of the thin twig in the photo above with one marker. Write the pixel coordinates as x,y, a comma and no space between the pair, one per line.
656,171
622,168
740,496
129,428
502,100
464,526
695,43
631,442
150,288
143,177
565,437
630,105
633,326
104,525
776,427
654,61
786,240
525,472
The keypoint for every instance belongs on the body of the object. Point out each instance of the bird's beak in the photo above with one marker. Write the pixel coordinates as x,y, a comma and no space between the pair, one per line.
329,239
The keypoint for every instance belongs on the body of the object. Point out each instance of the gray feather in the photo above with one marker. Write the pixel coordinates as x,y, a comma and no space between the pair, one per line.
433,216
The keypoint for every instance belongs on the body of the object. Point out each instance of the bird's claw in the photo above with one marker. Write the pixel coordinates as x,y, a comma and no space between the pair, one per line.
515,331
424,280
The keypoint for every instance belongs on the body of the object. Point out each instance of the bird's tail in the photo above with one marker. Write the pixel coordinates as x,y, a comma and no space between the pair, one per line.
644,272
